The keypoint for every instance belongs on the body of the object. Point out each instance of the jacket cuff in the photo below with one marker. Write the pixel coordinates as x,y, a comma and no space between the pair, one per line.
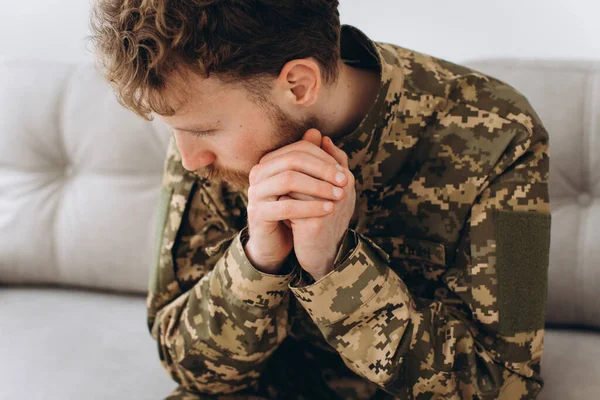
347,246
247,283
353,283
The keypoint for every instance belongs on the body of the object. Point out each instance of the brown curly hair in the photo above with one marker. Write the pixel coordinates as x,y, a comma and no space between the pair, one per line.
139,43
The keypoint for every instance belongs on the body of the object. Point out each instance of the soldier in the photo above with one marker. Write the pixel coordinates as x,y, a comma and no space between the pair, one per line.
339,218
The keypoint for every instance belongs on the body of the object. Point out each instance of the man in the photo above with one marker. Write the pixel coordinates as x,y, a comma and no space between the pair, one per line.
420,273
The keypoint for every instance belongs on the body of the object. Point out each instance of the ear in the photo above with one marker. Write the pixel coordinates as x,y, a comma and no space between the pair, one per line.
301,80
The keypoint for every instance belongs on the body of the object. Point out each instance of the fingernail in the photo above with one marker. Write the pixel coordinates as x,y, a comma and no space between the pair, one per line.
328,206
339,177
337,192
339,167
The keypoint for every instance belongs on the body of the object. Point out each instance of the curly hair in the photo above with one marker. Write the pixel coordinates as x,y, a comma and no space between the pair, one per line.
138,44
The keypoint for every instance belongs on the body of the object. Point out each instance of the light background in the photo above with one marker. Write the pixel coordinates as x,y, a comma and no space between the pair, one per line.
456,30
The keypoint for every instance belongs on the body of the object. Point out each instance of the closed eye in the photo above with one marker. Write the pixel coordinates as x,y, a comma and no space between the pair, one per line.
199,133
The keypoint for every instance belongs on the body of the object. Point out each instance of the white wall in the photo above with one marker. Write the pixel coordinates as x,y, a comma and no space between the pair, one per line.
455,30
466,29
45,29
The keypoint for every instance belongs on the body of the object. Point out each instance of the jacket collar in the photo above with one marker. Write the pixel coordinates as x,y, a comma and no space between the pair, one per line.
364,144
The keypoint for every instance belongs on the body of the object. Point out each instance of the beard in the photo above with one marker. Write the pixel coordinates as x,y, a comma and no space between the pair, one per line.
286,131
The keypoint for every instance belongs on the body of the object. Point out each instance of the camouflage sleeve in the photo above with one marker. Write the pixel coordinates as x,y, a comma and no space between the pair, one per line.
482,341
216,319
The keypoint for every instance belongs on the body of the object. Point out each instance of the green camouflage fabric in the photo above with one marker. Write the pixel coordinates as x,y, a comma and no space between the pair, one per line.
423,302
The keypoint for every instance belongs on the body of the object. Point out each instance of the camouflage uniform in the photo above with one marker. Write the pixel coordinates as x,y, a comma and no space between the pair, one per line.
439,288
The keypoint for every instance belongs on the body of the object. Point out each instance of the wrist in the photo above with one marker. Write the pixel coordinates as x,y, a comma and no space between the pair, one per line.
261,262
321,274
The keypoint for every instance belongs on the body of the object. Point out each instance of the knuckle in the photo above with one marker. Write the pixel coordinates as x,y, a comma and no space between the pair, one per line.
251,193
253,173
291,161
255,214
287,178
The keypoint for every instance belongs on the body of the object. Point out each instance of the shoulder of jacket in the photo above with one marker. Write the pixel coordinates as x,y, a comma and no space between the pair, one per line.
174,173
427,76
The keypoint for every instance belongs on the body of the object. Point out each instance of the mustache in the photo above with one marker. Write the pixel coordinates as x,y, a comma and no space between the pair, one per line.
237,178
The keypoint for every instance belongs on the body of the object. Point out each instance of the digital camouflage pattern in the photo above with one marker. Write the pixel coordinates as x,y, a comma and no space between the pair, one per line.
414,308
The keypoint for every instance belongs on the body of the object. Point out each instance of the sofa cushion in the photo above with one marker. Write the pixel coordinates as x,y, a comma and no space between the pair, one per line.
570,366
73,344
79,180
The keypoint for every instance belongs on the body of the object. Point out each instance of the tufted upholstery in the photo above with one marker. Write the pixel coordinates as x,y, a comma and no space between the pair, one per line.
79,185
79,180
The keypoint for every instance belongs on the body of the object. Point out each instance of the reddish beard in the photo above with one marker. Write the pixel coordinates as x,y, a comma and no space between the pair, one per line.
237,179
287,131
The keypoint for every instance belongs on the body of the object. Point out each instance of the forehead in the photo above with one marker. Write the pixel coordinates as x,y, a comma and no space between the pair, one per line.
188,93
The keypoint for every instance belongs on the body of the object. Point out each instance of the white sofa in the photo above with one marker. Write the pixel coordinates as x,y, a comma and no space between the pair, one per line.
79,185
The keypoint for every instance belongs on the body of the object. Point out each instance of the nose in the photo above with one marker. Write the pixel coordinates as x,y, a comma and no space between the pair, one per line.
192,157
196,160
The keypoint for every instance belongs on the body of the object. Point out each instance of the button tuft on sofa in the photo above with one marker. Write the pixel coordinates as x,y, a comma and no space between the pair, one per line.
585,199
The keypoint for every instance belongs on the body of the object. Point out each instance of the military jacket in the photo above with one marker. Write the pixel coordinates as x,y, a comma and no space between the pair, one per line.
439,287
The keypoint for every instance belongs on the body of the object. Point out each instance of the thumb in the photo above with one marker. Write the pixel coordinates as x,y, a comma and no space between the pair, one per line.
314,136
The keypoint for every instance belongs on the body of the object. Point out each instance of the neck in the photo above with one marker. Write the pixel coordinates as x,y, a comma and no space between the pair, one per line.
348,100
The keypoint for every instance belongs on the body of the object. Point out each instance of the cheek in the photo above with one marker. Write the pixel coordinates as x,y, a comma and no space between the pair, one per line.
255,120
252,136
243,148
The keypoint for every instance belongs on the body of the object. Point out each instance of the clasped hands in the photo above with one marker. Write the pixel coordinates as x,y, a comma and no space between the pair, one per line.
301,196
